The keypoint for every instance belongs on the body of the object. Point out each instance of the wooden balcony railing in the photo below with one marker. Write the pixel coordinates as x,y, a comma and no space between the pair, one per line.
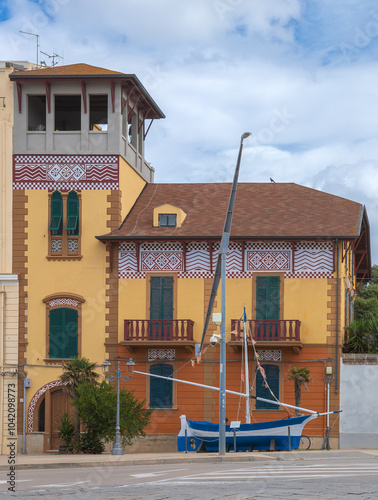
268,330
158,329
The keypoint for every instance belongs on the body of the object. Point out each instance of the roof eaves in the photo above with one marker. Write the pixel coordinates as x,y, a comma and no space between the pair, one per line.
15,75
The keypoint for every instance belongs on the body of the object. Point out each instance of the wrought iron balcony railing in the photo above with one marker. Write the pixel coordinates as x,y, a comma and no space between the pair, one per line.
158,329
268,330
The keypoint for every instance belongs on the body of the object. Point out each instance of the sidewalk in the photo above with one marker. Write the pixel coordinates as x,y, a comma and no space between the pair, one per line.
106,460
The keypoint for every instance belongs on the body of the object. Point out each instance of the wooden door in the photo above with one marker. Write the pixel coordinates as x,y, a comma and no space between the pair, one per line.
60,404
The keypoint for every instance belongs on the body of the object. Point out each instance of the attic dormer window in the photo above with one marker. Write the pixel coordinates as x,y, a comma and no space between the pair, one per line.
167,220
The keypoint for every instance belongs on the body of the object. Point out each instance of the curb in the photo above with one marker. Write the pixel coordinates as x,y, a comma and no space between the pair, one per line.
140,461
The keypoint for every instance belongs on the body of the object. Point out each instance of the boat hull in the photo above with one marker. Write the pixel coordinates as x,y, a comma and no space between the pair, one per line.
257,436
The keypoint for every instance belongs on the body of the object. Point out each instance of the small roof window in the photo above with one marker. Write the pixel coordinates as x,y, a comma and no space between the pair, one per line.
167,220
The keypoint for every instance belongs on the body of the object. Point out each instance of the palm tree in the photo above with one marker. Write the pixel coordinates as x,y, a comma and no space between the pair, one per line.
75,372
301,377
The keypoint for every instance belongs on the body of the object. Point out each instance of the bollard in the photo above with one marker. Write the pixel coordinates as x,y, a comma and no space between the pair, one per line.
288,433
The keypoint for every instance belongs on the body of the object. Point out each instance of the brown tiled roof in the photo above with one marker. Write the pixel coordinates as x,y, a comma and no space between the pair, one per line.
80,69
261,210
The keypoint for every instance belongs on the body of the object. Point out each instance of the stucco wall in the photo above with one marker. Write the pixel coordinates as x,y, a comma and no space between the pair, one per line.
359,402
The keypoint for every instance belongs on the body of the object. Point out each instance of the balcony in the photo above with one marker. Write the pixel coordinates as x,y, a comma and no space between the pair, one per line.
270,333
158,332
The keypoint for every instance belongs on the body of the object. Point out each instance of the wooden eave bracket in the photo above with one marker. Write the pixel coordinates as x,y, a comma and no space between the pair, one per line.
132,110
125,102
149,126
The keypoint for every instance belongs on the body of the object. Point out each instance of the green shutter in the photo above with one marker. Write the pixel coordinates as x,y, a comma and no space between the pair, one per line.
272,373
63,333
167,297
155,295
71,333
267,297
161,390
161,298
72,213
56,212
56,321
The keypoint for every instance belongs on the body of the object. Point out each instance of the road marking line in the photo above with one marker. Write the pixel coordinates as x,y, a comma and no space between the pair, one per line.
153,474
63,485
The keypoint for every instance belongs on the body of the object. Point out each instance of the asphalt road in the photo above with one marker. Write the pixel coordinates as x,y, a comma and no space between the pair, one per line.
324,476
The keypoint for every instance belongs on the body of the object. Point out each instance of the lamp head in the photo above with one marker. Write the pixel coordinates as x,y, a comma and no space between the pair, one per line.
130,366
245,135
105,367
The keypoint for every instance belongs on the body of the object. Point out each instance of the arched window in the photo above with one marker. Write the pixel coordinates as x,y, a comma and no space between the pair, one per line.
63,320
161,390
56,217
63,333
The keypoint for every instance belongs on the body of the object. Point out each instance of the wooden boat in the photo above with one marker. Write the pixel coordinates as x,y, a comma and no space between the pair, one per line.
196,435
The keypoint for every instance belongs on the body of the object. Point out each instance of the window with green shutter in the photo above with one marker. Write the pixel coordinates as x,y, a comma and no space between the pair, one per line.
161,307
56,225
272,373
268,306
268,297
161,390
72,225
63,333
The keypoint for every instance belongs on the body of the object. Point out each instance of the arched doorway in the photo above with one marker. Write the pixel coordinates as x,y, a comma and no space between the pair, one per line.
48,405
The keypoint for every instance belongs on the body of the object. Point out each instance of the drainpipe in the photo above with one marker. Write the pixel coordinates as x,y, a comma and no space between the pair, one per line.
26,383
337,316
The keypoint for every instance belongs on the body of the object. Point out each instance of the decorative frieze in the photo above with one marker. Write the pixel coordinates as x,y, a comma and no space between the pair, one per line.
273,355
156,354
197,260
63,302
65,172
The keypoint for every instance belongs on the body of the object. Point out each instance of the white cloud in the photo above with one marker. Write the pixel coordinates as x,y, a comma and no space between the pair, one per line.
301,75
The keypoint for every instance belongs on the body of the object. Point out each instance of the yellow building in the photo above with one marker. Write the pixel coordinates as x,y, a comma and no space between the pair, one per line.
295,259
78,167
112,265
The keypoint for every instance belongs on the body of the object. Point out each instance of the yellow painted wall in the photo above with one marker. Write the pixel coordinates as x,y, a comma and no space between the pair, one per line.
85,277
306,300
190,296
133,297
131,184
131,302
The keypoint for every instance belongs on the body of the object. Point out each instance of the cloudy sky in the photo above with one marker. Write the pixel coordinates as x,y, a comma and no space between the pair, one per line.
301,75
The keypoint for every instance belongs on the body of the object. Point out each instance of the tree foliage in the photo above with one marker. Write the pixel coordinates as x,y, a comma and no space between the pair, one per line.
301,377
75,372
366,302
97,404
362,336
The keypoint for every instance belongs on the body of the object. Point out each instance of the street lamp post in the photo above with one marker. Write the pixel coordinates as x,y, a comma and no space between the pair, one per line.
222,256
130,365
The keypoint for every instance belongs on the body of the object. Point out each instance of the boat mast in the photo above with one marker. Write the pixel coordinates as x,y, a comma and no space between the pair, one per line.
246,368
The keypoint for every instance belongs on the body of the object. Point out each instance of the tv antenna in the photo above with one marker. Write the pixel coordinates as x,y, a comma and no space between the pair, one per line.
37,36
53,57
